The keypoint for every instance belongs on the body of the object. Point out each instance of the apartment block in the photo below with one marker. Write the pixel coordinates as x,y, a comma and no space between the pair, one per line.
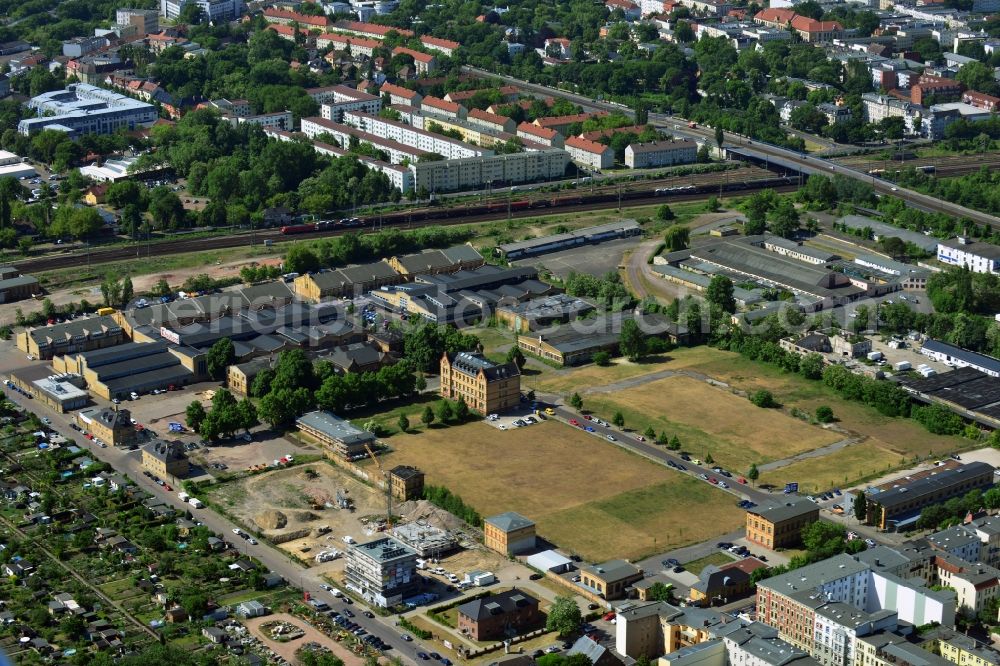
591,154
350,44
660,153
382,571
408,135
345,99
477,172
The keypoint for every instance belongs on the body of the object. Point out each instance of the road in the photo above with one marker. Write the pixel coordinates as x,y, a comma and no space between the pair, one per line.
708,134
129,463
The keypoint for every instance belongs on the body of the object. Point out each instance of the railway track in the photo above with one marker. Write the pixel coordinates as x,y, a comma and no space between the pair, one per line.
944,165
633,194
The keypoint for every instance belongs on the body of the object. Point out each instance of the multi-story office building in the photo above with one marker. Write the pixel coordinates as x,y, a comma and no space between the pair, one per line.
85,109
144,21
383,571
485,386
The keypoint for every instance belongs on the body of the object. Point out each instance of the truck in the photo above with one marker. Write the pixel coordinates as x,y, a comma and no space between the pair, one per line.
875,356
105,311
183,496
484,579
196,503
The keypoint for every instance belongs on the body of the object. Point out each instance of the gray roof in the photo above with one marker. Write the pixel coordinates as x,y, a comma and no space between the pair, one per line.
19,281
956,536
761,641
369,272
556,305
588,235
470,363
790,509
165,451
928,485
385,549
987,250
814,575
484,277
588,647
77,327
429,260
612,570
881,229
360,353
509,521
335,427
972,358
261,293
496,604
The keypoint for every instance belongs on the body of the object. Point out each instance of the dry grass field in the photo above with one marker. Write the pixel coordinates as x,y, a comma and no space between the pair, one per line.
838,469
709,419
584,493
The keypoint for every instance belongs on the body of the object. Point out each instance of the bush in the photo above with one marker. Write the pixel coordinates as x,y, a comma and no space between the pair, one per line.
824,414
602,358
762,398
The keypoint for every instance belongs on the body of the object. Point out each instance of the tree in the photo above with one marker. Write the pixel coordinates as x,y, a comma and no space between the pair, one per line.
861,506
811,366
48,308
649,433
10,191
712,205
602,358
664,213
576,401
823,539
677,237
403,423
659,592
301,259
444,412
516,356
632,342
753,473
461,410
564,616
161,288
709,460
220,356
675,443
618,419
824,414
784,218
720,137
427,418
720,293
662,438
194,415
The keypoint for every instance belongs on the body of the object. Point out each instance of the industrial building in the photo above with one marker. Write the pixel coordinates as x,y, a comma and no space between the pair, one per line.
570,239
900,506
73,336
85,109
14,166
134,367
60,392
541,312
16,287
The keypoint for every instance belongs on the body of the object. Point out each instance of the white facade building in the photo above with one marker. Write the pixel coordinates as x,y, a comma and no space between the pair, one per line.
410,136
213,10
85,109
660,153
978,257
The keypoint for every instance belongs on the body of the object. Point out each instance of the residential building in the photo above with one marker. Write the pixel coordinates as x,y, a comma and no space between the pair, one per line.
957,540
959,648
442,107
597,654
500,616
216,11
543,135
563,124
660,153
978,257
400,95
726,583
339,437
491,121
287,17
111,426
902,504
609,580
411,136
590,154
281,120
509,533
81,46
85,109
508,94
485,386
975,584
445,46
355,46
496,170
780,526
165,459
382,571
941,89
144,21
656,628
371,30
406,482
425,63
810,30
78,335
981,100
347,99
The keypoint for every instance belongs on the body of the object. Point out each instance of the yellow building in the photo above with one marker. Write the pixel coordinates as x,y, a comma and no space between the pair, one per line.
959,648
485,386
779,526
407,482
657,628
165,459
509,533
348,281
111,426
609,579
78,335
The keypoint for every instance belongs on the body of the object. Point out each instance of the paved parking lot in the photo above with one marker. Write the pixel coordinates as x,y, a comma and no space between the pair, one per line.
523,415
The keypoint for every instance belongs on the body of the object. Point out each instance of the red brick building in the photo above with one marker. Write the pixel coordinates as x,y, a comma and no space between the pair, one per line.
498,616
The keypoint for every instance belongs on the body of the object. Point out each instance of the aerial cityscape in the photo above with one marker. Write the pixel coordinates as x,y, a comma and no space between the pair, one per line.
564,333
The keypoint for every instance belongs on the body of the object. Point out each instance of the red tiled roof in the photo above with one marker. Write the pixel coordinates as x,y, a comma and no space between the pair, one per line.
807,24
568,120
441,43
775,15
351,40
439,103
418,56
399,91
585,145
486,116
305,19
372,28
543,132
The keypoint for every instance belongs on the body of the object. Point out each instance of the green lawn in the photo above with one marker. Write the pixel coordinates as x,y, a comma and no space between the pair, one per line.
715,559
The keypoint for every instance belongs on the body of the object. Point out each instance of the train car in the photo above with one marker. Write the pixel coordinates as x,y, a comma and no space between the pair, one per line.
297,229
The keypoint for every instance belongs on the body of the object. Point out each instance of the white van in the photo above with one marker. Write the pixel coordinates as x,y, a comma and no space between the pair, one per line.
348,539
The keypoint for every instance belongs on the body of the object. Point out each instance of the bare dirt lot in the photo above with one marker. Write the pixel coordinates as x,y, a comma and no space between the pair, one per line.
586,495
292,502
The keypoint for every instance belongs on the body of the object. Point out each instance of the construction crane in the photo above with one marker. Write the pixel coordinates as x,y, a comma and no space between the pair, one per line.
388,487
